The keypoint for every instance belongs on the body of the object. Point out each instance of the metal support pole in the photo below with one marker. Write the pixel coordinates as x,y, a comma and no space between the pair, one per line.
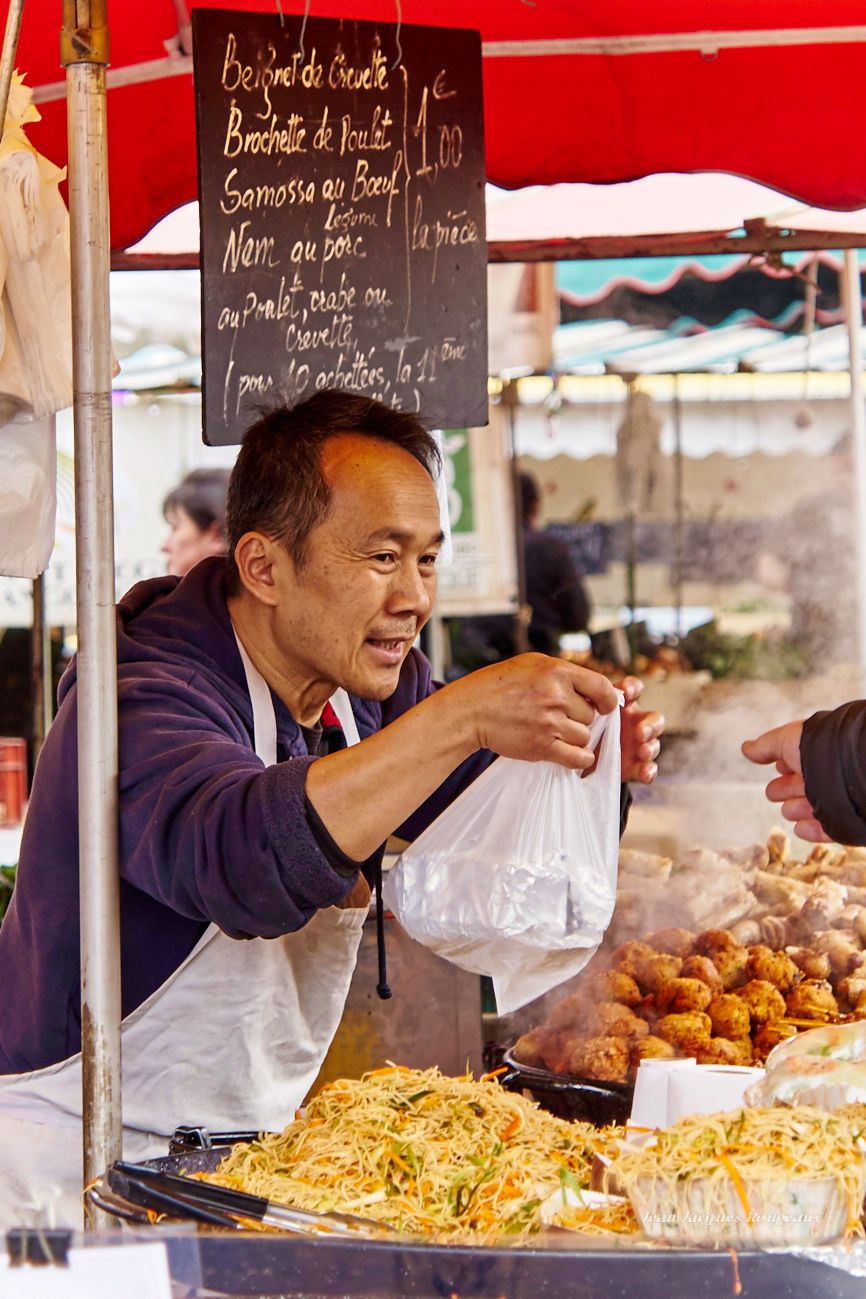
853,299
84,53
41,681
679,543
523,613
7,59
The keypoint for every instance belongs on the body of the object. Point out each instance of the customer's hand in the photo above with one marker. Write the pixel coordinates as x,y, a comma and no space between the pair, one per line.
782,747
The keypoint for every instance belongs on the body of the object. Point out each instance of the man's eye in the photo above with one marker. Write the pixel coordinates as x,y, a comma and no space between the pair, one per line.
429,561
386,557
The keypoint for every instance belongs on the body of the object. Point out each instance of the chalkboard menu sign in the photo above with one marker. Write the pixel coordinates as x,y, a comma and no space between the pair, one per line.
343,244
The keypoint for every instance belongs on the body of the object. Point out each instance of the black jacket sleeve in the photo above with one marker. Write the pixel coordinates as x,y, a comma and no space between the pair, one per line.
833,758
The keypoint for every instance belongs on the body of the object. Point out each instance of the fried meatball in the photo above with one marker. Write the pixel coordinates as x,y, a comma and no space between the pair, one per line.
730,1016
572,1010
710,941
772,967
602,1058
610,1019
850,989
812,999
532,1047
651,1048
744,1050
613,985
720,1051
686,1032
679,995
701,967
673,942
842,947
812,964
559,1052
731,964
657,969
764,1002
627,958
768,1036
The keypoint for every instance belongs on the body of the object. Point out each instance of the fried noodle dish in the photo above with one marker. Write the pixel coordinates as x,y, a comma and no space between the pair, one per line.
744,1148
445,1158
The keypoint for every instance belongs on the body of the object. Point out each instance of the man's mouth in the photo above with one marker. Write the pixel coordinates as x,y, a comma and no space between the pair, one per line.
388,650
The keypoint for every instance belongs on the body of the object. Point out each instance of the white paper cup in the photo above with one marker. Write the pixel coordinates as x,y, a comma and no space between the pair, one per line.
649,1107
708,1089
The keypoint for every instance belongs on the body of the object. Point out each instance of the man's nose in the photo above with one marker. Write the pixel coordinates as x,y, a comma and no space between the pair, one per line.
411,592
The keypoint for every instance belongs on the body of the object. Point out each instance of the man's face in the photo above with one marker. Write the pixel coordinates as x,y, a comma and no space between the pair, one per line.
349,615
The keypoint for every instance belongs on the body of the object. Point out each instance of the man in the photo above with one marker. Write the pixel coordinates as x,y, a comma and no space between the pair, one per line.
554,590
248,810
820,782
555,594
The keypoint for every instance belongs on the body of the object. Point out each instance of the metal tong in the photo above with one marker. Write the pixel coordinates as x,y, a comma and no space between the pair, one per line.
221,1206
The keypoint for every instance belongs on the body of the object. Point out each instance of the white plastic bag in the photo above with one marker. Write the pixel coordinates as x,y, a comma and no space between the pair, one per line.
517,878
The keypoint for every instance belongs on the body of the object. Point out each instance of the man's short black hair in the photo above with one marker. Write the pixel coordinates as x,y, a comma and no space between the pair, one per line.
202,495
277,486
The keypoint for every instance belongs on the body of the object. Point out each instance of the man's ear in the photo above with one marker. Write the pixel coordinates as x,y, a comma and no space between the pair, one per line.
255,557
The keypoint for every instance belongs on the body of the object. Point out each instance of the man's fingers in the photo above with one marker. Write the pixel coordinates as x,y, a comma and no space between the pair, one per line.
649,752
574,734
766,748
632,688
569,755
788,786
594,687
652,726
811,830
798,809
646,773
783,768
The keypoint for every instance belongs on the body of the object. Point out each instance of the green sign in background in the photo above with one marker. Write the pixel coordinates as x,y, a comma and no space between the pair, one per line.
458,477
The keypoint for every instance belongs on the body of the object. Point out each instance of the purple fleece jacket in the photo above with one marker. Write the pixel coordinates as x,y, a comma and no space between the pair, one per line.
207,834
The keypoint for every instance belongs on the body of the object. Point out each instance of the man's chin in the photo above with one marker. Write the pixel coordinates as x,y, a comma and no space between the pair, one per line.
377,686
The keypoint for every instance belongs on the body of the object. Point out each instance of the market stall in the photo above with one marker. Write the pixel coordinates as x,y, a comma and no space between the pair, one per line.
329,1267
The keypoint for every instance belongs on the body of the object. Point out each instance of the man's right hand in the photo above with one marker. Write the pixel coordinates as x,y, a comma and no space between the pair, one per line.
535,708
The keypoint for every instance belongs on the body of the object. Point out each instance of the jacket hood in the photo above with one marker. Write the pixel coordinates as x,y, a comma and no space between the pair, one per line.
180,621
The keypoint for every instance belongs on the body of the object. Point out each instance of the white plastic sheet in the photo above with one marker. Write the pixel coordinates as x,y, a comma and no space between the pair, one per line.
517,878
28,497
35,340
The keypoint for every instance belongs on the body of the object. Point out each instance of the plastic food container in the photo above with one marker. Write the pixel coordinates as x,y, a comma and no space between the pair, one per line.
799,1211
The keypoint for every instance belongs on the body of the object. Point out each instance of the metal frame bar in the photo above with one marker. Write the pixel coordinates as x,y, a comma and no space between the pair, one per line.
853,299
704,43
564,250
84,44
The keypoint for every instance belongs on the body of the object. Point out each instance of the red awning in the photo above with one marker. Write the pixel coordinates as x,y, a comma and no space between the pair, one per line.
573,92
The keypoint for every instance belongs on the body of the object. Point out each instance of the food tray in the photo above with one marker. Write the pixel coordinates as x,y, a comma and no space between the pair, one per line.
585,1100
784,1212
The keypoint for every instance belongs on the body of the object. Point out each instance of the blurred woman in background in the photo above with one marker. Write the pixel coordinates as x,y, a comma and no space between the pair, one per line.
196,513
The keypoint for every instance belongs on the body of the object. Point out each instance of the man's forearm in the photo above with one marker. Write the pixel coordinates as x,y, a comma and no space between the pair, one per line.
364,792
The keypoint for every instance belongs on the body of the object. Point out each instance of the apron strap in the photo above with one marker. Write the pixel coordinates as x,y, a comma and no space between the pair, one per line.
265,718
342,706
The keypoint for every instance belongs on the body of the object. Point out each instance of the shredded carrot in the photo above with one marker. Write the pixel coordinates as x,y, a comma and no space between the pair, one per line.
738,1186
494,1073
401,1163
511,1128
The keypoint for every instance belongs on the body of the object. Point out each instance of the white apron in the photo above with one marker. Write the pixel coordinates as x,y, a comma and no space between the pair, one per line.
233,1039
